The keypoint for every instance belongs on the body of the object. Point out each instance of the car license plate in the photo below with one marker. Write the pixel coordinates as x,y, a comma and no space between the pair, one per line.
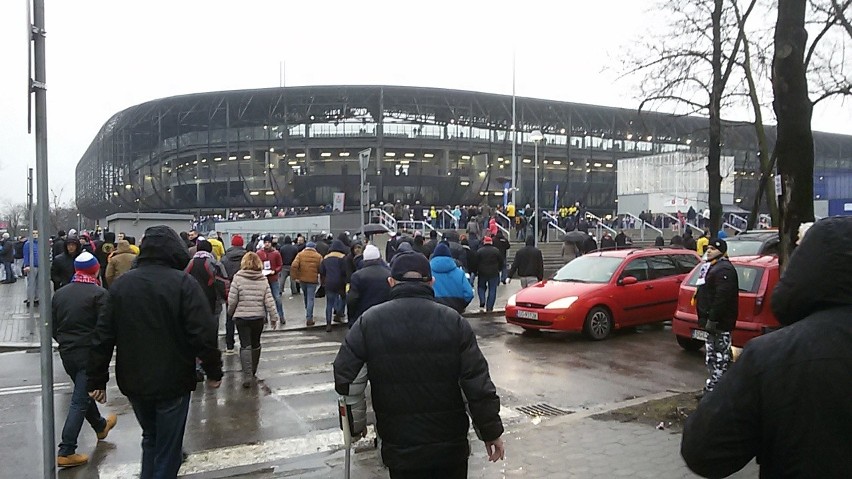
527,315
699,334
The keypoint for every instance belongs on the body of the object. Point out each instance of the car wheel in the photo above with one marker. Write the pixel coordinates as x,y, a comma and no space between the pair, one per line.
598,323
689,344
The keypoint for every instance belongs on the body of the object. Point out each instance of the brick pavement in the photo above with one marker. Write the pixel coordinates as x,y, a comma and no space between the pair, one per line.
17,328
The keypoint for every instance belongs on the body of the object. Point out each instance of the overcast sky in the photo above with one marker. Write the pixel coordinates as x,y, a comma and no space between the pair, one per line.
105,56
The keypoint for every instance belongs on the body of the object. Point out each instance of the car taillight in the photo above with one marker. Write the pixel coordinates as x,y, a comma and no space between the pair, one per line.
758,304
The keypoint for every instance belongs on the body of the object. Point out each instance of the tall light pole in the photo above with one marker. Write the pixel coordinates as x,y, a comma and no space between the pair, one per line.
536,137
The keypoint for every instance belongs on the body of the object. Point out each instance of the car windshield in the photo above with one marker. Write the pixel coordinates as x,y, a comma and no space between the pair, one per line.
744,247
748,277
588,269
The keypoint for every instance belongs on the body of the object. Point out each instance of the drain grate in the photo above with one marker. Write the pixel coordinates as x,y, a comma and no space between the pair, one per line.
539,410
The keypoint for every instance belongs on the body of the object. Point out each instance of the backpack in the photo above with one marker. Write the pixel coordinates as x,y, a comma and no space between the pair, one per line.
220,285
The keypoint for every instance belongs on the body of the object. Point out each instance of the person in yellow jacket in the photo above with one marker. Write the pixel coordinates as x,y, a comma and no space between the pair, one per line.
703,241
218,247
510,211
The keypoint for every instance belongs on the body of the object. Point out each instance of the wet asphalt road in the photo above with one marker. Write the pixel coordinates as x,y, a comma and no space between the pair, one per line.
293,416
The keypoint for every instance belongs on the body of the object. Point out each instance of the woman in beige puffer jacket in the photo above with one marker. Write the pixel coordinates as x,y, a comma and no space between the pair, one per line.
250,303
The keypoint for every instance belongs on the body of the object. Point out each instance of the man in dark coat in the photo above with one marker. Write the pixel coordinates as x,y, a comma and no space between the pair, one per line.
620,239
369,285
528,264
288,253
488,263
159,322
76,310
717,305
423,426
333,277
7,258
62,267
502,244
688,240
58,246
786,401
429,246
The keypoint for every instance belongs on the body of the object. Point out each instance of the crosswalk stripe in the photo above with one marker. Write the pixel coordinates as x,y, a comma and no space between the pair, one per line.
301,346
265,357
35,388
299,390
324,368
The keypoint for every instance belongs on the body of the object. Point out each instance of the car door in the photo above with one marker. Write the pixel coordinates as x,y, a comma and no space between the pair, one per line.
664,281
633,298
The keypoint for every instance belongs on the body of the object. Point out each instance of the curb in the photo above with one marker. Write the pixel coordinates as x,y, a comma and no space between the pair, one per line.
478,314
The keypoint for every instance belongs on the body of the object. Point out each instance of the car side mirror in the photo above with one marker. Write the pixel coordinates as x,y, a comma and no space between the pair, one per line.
627,280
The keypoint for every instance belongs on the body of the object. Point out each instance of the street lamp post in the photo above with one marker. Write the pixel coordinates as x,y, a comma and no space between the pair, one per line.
536,137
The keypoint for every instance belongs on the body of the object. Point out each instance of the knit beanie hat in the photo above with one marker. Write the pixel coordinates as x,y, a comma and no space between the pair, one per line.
204,245
441,250
87,264
371,253
237,240
487,240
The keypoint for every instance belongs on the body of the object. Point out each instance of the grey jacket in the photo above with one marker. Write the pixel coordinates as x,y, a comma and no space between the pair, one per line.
251,297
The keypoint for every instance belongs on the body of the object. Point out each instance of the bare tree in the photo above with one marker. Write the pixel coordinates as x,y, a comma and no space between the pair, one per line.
16,215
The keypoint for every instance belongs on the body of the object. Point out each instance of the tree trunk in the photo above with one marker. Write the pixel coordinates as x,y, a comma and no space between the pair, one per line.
715,148
793,109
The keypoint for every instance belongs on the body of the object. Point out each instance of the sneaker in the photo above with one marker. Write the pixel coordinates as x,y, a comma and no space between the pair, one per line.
72,460
338,318
328,328
482,309
310,322
111,421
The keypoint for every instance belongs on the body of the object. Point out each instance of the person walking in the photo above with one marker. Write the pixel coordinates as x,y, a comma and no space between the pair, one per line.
487,264
368,285
451,286
473,227
424,428
218,249
305,269
76,309
502,244
232,261
786,399
528,264
31,269
7,258
272,264
717,303
288,253
156,371
333,278
120,262
702,242
250,303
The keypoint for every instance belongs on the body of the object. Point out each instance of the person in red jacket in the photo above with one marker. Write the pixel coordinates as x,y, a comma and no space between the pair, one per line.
272,265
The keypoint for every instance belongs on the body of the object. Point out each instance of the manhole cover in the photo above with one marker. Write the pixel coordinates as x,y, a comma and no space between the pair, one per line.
542,410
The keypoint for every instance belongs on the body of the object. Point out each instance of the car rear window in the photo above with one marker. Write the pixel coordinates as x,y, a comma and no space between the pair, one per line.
748,278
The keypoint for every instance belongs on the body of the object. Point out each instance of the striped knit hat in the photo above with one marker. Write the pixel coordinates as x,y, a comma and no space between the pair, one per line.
86,264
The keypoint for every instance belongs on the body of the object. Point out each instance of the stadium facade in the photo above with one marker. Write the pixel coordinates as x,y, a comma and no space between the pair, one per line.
296,146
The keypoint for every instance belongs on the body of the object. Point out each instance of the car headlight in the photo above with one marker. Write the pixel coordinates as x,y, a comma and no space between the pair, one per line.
563,303
512,299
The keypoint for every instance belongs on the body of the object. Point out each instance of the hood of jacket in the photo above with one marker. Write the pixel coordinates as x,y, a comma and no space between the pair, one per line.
249,274
819,274
337,246
72,240
161,245
235,253
123,247
442,264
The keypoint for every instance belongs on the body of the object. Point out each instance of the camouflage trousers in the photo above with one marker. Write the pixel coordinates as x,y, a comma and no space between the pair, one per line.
718,357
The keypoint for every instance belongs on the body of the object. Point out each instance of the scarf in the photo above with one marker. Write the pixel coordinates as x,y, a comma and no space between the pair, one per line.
205,255
85,278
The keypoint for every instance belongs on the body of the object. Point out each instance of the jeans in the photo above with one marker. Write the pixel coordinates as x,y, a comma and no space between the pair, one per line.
81,407
32,284
229,332
504,275
10,273
250,330
334,304
275,286
491,285
163,424
528,281
285,273
309,290
447,472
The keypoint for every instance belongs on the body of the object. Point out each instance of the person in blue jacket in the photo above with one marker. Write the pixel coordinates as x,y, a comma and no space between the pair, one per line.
31,270
451,286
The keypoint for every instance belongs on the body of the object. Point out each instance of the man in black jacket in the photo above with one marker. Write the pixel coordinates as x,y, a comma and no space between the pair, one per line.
424,428
7,258
62,267
159,322
369,285
487,265
786,399
528,264
288,253
429,246
717,305
76,310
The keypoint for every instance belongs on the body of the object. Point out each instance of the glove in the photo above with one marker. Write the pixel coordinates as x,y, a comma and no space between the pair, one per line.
711,327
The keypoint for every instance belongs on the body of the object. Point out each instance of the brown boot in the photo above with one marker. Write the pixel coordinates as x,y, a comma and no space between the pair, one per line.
72,460
111,421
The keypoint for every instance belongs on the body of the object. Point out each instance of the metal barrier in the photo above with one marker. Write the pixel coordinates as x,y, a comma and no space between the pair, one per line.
643,225
553,223
508,222
385,219
681,227
600,224
421,226
445,213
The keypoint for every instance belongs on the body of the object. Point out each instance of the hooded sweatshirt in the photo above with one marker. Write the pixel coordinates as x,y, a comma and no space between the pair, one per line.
62,268
451,285
786,400
333,268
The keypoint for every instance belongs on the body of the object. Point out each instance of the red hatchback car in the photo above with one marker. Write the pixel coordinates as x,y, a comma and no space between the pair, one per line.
599,292
757,276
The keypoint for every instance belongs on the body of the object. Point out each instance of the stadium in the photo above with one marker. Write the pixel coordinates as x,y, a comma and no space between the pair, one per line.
209,153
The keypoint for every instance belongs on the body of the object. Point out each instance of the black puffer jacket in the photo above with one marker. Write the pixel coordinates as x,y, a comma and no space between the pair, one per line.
159,323
368,287
488,261
423,360
786,400
528,261
288,252
718,298
76,310
62,267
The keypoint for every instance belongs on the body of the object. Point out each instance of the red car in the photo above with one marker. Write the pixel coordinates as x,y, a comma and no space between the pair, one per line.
603,291
757,276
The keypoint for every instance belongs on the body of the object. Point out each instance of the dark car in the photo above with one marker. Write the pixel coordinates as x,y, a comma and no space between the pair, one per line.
753,243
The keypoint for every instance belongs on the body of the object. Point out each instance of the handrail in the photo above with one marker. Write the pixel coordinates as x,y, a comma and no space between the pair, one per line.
418,225
449,213
601,222
644,224
742,220
385,219
729,225
685,223
503,215
551,224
